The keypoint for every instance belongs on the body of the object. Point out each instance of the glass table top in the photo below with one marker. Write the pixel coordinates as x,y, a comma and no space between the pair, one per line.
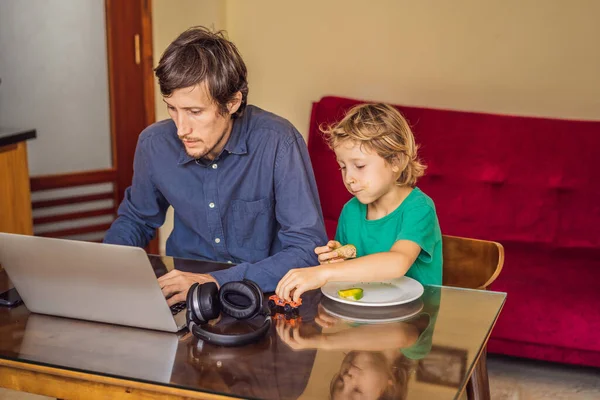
423,349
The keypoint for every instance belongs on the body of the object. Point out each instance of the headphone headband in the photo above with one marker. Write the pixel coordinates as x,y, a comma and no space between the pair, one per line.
221,339
205,303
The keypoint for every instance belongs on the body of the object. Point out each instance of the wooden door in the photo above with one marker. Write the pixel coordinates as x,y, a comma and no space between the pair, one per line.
131,80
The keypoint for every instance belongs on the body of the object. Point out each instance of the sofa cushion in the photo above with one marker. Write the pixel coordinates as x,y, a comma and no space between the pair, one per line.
553,297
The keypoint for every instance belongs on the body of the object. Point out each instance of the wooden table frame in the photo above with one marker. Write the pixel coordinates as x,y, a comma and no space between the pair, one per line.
73,385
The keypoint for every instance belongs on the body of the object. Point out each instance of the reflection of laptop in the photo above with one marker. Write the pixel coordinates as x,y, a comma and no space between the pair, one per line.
107,349
93,281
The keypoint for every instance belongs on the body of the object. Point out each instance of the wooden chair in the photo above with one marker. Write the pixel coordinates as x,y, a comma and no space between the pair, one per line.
473,264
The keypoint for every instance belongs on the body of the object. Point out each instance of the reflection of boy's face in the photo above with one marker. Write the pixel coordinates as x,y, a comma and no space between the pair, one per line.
361,376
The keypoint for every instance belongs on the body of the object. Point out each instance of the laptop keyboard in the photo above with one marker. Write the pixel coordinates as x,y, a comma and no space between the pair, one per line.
177,307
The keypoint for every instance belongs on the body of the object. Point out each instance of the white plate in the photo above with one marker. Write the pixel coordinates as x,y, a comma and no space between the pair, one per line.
371,315
375,294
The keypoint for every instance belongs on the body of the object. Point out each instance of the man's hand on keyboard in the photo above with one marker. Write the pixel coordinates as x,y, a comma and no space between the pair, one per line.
176,284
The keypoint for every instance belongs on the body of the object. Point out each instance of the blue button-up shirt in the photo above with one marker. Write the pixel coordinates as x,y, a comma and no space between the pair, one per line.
255,205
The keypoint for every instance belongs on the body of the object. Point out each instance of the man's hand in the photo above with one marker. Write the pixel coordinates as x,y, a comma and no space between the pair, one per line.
327,253
175,284
299,280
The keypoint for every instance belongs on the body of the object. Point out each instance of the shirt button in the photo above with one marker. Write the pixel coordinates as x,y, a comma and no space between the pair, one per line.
214,166
217,240
212,205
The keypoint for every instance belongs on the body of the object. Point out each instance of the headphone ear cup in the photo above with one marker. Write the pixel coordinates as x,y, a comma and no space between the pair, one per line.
192,306
202,303
259,292
208,298
229,306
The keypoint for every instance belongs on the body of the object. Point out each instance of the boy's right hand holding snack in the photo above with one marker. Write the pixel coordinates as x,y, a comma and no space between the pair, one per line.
299,280
333,251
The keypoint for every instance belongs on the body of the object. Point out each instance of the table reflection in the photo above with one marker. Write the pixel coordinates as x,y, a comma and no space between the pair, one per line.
382,346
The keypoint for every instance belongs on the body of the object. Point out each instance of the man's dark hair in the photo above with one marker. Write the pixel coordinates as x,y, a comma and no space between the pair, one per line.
199,55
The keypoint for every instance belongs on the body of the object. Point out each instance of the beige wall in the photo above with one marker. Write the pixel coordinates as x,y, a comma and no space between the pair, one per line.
529,57
169,19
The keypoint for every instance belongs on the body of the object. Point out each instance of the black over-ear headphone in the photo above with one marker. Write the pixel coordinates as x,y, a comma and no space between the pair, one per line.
206,302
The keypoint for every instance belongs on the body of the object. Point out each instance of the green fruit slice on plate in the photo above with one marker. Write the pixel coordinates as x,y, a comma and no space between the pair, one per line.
351,294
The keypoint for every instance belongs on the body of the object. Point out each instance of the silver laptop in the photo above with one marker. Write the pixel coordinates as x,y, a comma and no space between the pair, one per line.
92,281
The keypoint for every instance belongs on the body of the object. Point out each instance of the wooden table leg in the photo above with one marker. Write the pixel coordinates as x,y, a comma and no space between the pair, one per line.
478,387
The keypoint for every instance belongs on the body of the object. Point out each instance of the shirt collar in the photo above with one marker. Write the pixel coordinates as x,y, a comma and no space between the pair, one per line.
237,143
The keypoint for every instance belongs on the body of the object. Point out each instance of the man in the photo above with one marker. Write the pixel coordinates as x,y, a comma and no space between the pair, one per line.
239,178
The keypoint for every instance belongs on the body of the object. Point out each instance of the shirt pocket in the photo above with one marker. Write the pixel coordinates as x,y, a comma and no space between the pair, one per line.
253,223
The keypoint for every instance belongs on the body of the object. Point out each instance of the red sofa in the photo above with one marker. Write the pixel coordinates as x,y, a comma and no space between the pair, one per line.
531,184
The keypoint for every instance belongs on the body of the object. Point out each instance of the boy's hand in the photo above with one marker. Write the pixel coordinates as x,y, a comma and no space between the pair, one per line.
327,253
299,280
295,339
324,319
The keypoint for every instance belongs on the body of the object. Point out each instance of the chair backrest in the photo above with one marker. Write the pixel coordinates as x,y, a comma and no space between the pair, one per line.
471,263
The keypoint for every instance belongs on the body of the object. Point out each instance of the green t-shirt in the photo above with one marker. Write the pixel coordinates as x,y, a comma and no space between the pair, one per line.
414,219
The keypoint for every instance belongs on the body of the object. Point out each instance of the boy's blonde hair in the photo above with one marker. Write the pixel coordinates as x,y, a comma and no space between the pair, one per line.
380,127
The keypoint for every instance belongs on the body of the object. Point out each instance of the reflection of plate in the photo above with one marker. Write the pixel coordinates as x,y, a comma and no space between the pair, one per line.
372,315
387,293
